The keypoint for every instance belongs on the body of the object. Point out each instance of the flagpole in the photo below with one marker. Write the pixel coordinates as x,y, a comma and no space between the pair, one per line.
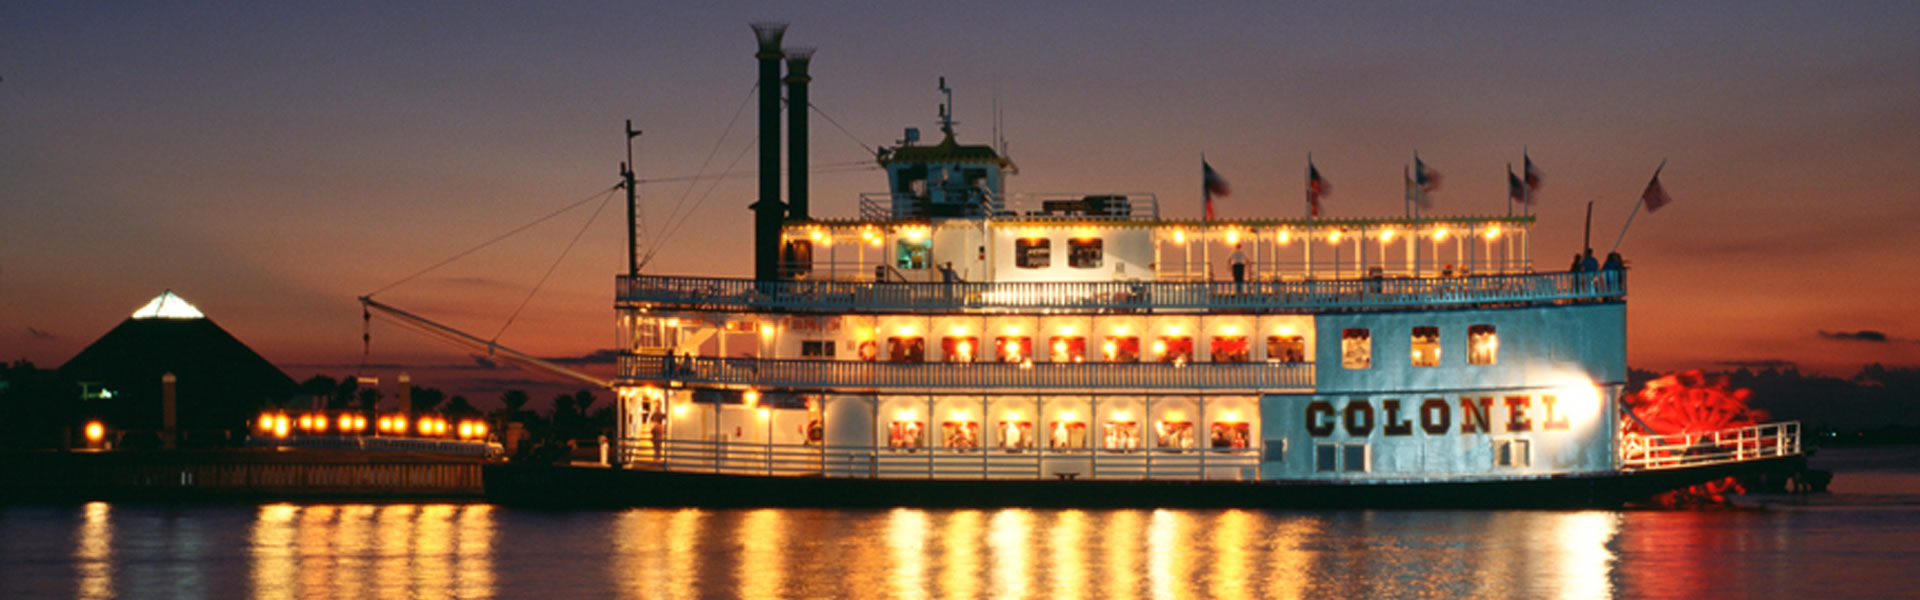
1526,191
1636,210
1510,196
1310,191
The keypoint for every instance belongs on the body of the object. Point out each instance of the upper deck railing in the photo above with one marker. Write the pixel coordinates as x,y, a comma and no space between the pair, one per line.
1008,377
713,293
880,206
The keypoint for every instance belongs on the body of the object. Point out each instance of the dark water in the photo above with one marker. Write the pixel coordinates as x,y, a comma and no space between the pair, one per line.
1863,541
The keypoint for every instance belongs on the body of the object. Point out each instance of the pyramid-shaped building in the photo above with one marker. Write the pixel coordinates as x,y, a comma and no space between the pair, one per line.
220,382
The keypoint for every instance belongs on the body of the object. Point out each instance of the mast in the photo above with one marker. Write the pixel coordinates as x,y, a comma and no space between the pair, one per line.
633,232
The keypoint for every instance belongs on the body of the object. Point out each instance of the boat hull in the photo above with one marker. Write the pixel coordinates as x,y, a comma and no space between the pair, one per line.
599,487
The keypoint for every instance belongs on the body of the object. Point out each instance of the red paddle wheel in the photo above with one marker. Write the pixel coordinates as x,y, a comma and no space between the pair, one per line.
1682,411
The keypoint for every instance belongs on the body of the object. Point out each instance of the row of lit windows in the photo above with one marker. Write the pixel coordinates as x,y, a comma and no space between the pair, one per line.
1483,346
1028,253
1067,436
1037,253
1354,457
1069,349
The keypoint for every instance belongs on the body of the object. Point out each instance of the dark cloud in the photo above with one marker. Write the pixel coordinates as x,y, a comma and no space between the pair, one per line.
38,334
483,362
597,357
1764,363
1864,335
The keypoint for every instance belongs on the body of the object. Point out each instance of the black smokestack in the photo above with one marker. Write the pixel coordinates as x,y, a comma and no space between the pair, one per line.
797,79
769,211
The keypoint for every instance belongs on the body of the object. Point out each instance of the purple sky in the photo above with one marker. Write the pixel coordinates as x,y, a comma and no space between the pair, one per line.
272,161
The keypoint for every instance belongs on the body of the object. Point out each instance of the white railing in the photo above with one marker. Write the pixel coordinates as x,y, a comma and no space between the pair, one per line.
865,462
1649,452
714,293
848,374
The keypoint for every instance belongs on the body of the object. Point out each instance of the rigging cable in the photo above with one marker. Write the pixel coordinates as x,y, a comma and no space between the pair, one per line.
742,109
598,194
864,147
556,264
674,227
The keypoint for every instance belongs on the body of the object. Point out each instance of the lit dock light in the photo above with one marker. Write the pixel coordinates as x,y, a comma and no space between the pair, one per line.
95,432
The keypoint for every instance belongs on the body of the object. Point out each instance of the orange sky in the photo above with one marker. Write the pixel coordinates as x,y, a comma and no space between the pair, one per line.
271,163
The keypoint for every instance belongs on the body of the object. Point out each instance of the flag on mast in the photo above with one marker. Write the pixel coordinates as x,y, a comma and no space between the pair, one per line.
1426,180
1317,188
1530,173
1212,183
1655,196
1516,189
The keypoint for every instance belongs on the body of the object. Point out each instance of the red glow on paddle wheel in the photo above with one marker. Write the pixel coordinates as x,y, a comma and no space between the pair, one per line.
1683,404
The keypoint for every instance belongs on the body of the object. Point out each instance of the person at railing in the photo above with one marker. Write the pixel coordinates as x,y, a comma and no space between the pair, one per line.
947,278
1239,262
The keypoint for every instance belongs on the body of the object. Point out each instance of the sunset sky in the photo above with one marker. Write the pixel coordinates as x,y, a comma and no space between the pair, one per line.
272,161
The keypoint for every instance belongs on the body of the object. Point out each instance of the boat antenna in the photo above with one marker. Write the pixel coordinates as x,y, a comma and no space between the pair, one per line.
946,110
633,205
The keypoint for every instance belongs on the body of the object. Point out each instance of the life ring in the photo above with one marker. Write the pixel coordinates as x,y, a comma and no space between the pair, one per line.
869,351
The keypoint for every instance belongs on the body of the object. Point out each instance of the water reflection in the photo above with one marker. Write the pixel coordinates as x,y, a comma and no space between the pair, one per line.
364,551
93,552
479,551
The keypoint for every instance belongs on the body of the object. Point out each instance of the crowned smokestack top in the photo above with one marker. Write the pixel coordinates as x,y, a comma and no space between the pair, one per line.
769,212
769,35
797,156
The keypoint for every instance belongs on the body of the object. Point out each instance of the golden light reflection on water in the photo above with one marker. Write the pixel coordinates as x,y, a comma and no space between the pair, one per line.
906,533
1066,548
1122,556
1166,559
362,551
93,552
1233,538
1008,541
960,560
762,560
1580,563
1289,559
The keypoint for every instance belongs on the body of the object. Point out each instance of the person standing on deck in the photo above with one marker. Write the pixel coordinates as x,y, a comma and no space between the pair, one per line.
1239,262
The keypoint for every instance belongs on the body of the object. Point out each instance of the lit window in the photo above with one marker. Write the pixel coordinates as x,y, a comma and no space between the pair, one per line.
1174,434
1230,349
1229,435
1121,435
816,349
914,255
1356,348
1483,345
962,435
907,349
1032,253
1286,348
959,349
1015,435
1426,346
1121,349
1067,435
1513,453
1013,349
1067,349
1173,349
904,434
1083,253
